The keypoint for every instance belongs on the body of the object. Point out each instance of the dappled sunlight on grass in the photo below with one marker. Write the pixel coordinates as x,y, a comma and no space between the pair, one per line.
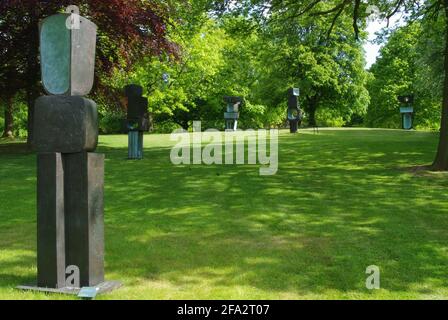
342,200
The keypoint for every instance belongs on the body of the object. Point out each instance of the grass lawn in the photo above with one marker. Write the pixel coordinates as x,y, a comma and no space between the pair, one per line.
342,200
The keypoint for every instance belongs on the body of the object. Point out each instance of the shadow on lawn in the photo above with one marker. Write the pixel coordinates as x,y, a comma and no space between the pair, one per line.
13,279
313,227
13,148
335,207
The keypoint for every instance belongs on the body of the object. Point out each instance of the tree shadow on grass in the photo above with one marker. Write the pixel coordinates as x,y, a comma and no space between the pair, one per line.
338,204
14,148
314,227
16,271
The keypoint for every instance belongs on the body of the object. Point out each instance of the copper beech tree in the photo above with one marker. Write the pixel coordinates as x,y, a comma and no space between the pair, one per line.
127,30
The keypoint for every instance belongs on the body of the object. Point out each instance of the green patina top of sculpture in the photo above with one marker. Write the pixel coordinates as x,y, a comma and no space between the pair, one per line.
233,103
67,50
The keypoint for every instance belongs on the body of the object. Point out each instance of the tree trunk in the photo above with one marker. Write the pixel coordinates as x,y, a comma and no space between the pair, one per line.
441,161
312,107
32,90
9,121
31,97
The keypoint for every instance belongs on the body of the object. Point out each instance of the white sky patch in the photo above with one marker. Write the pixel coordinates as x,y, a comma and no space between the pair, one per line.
372,50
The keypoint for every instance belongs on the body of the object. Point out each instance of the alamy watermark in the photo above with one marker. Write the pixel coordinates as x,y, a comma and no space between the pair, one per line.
73,21
72,279
215,147
373,280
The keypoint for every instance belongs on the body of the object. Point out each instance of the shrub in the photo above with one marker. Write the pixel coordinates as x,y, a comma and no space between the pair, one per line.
111,122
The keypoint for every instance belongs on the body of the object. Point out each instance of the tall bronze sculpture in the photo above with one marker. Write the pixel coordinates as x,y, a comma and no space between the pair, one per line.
232,114
294,112
137,121
70,176
406,111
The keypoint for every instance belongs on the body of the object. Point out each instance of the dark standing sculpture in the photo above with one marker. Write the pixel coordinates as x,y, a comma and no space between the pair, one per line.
232,115
294,112
137,120
70,176
407,111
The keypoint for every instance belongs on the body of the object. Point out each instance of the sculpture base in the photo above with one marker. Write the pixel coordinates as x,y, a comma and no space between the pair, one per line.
70,228
135,142
231,125
104,287
293,126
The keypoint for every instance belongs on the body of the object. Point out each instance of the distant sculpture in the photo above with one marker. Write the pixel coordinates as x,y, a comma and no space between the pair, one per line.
70,177
407,111
294,112
137,120
232,115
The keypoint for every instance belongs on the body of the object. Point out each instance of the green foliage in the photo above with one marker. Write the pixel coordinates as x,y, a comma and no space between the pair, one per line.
257,50
111,122
430,73
111,116
20,117
393,75
20,120
192,86
237,56
165,126
410,62
329,70
127,30
327,117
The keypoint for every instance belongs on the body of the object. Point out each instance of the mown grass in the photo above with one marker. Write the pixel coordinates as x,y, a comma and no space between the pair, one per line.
342,200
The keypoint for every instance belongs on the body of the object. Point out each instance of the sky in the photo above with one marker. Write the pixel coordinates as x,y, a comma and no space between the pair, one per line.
372,50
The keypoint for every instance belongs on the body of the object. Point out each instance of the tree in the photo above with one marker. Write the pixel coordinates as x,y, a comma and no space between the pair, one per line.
415,9
328,69
429,71
298,50
8,128
128,29
411,61
213,63
8,88
181,89
394,74
239,56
